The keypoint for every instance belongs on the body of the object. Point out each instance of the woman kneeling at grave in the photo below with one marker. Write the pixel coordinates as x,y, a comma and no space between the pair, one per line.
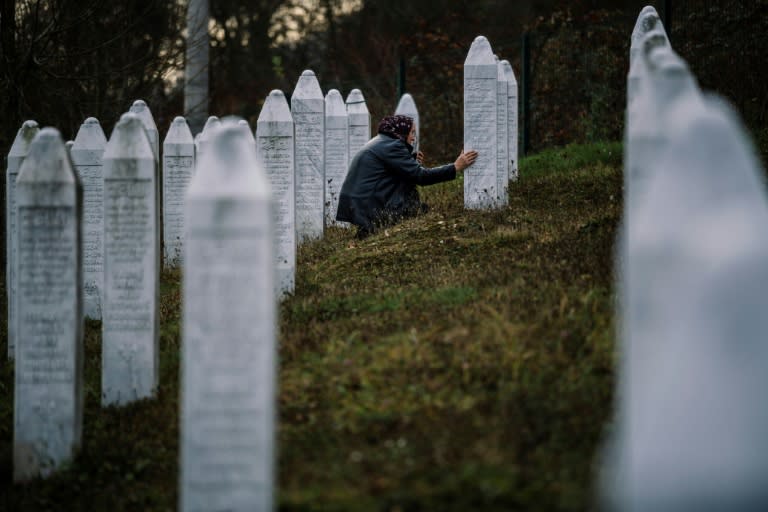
380,187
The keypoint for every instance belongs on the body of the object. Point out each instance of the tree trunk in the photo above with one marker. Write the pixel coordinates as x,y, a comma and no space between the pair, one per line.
196,72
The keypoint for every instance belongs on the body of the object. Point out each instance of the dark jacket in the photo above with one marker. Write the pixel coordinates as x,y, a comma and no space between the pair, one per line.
380,187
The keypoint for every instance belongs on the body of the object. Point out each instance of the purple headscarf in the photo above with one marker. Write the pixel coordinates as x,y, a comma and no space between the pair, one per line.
396,126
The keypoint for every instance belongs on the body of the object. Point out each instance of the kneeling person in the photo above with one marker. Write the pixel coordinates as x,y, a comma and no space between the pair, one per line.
380,187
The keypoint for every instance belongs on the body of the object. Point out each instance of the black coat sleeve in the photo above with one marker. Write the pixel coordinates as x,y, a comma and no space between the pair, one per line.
403,164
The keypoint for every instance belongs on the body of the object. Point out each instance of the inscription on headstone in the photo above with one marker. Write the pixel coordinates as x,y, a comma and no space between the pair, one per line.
275,149
480,118
502,137
16,156
48,407
407,107
512,118
359,122
229,333
87,158
129,327
308,111
336,153
178,163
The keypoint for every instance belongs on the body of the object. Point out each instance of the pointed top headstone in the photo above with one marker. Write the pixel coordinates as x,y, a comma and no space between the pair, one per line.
242,123
407,107
47,160
129,139
179,132
24,138
275,109
509,73
647,21
90,135
140,108
307,87
230,166
334,104
480,53
211,123
356,102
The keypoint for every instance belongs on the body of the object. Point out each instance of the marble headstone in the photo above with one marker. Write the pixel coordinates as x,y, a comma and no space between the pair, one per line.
512,119
130,306
275,151
229,333
178,164
308,111
336,153
480,125
87,158
359,122
201,141
48,395
407,107
243,124
647,20
696,418
16,156
502,137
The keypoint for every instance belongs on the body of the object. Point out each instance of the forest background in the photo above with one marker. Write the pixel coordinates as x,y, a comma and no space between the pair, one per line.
64,60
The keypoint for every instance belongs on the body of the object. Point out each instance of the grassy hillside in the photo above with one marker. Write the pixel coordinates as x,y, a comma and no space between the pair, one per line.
458,361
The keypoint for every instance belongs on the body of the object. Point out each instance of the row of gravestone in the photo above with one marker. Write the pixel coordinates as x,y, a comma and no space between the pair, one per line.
233,203
691,420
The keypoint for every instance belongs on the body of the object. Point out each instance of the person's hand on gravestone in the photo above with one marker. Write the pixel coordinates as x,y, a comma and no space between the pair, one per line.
465,159
420,157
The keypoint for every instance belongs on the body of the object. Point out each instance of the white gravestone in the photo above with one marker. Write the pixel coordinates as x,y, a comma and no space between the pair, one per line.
647,20
638,71
308,111
16,156
336,153
359,122
229,333
48,396
68,146
130,309
275,151
696,417
87,158
480,114
502,137
178,163
407,107
512,119
242,123
201,141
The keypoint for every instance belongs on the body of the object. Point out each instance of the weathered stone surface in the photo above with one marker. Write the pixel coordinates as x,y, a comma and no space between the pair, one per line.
229,332
480,125
647,20
130,314
308,111
48,396
512,118
407,107
359,122
178,166
141,109
201,141
275,151
16,156
87,158
336,153
502,137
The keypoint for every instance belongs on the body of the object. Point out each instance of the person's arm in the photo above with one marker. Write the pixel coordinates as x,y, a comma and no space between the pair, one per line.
402,163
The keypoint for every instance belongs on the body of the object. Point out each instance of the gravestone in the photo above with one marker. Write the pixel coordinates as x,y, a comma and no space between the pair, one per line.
336,153
16,156
512,119
178,163
242,123
638,71
359,122
308,111
502,137
647,20
407,107
130,306
87,158
211,125
229,333
480,118
275,151
695,419
48,396
68,146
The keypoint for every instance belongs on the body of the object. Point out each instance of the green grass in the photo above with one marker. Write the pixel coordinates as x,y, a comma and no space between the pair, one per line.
458,361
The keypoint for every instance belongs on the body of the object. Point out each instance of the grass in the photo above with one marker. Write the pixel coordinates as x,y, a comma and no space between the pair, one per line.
459,361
